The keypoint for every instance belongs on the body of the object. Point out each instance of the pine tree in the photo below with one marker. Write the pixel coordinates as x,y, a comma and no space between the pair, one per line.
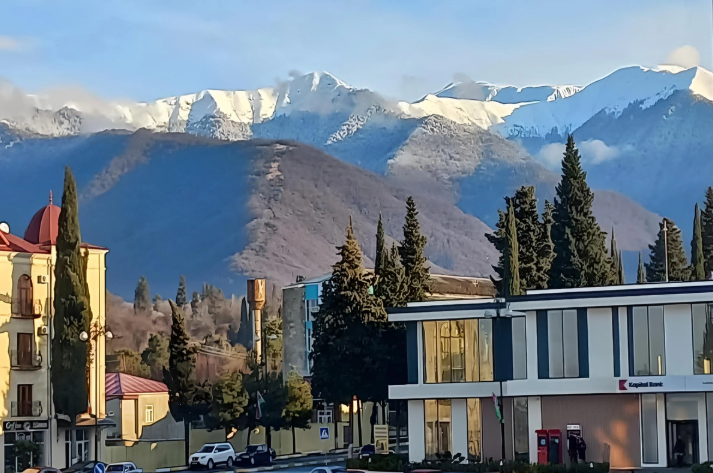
229,402
698,272
142,296
511,277
181,293
412,255
579,244
187,399
381,250
615,261
641,273
546,251
71,313
621,277
707,231
392,287
298,410
678,269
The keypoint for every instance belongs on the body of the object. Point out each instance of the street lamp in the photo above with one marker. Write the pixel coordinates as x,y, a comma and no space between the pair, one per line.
84,336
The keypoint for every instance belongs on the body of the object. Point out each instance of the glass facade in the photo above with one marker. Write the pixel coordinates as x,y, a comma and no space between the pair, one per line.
648,341
649,429
702,338
475,430
457,351
521,440
519,348
563,343
438,427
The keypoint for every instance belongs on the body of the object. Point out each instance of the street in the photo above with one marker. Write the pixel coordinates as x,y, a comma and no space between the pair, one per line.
298,465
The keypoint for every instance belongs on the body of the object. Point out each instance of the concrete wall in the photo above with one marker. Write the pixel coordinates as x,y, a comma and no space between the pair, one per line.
293,330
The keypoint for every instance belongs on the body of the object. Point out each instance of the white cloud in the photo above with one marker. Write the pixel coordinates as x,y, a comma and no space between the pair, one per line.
551,155
686,56
8,43
591,151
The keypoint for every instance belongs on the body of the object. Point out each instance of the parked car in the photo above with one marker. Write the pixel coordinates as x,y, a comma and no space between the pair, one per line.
257,455
83,467
41,469
212,454
123,467
367,451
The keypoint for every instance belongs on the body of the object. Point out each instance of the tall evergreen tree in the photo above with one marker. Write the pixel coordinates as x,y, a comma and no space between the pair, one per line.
678,269
707,231
71,313
532,239
511,279
622,277
698,272
298,410
187,399
412,255
641,272
546,252
229,402
181,293
156,355
142,296
615,259
391,286
579,244
381,250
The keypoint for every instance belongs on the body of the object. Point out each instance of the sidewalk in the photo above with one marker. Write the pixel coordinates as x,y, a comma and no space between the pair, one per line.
300,461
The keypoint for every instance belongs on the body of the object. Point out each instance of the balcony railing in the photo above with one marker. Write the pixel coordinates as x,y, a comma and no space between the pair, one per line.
26,408
23,360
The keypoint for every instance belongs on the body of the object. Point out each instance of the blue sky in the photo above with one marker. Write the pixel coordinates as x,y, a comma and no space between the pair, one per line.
146,49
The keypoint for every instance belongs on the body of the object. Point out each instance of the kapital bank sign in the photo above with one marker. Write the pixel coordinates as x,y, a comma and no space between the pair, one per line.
661,384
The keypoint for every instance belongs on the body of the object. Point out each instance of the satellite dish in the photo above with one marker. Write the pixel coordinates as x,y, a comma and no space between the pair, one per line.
4,227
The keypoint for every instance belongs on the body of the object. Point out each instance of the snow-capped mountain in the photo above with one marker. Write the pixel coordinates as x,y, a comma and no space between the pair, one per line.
486,92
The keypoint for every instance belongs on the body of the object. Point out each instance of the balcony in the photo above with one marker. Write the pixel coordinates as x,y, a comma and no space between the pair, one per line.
22,309
25,408
24,360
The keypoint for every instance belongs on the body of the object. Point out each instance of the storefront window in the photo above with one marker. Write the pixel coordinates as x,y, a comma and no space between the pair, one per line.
438,427
23,450
563,343
519,348
647,340
709,421
475,426
649,429
521,440
458,351
702,338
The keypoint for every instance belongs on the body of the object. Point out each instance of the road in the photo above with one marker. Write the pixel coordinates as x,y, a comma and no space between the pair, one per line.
281,466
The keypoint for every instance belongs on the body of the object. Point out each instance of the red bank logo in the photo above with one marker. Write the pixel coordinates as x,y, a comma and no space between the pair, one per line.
622,385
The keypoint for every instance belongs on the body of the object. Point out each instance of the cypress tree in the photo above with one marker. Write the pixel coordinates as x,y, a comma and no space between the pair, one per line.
71,313
546,251
579,244
641,273
615,259
412,255
142,297
511,286
181,293
391,286
698,272
622,277
707,231
678,269
381,250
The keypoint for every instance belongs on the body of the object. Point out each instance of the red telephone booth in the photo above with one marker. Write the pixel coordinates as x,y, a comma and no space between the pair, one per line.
555,447
543,442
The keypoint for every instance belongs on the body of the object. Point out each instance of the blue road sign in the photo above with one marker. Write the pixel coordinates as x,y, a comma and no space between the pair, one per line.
99,468
324,433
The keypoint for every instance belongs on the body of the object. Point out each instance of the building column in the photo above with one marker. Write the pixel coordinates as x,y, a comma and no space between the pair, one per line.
459,426
702,429
661,427
416,431
534,422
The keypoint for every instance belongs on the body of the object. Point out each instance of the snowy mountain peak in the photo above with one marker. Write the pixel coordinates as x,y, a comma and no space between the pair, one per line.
506,94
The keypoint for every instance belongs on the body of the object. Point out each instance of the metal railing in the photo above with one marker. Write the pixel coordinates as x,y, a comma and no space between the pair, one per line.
23,360
26,408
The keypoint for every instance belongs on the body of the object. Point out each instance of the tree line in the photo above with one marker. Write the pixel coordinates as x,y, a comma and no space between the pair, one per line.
353,341
565,247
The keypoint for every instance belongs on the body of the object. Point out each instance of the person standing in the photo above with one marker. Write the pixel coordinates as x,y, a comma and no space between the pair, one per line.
679,450
572,448
582,448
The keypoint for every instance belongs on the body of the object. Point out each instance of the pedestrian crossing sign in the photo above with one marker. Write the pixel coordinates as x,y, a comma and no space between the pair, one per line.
324,433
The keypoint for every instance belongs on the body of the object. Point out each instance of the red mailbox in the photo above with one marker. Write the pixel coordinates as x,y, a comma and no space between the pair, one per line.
543,443
555,447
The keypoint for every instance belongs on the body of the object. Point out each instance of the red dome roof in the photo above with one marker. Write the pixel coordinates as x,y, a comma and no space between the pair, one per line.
43,227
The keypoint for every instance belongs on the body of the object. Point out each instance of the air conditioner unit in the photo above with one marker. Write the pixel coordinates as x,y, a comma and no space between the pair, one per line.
42,279
314,309
43,330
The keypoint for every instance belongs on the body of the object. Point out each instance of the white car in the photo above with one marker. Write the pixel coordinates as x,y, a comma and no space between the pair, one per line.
123,467
212,454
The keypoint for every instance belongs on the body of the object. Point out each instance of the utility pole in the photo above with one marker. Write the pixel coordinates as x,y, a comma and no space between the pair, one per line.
665,245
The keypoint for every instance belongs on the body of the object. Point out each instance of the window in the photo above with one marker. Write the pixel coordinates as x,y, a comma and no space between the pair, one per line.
24,349
519,348
438,427
702,338
24,295
148,417
14,463
475,430
24,400
458,351
563,343
82,437
649,432
324,416
521,441
647,341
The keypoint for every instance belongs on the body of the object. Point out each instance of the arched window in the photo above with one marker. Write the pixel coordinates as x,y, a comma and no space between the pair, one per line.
24,294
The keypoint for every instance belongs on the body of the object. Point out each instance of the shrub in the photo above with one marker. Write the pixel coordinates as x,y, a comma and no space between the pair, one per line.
705,467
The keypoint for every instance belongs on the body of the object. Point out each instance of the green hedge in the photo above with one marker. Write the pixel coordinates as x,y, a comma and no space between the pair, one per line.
391,462
706,467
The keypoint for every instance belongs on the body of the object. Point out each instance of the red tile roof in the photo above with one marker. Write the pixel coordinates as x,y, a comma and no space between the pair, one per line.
44,226
10,242
121,384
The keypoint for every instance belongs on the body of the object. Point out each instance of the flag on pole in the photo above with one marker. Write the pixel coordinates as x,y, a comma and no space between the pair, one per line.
497,408
258,407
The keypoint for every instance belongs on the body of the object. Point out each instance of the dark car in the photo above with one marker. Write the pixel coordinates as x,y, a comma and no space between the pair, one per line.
41,469
367,451
83,467
256,455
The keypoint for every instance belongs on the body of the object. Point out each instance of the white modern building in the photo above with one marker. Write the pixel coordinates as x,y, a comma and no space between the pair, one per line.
627,366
